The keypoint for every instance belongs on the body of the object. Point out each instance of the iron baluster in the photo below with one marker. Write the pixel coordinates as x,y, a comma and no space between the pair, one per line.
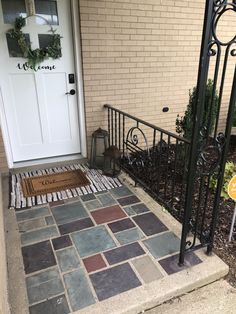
201,87
228,128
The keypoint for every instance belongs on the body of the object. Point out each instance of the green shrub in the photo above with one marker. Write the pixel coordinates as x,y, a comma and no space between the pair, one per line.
230,171
184,125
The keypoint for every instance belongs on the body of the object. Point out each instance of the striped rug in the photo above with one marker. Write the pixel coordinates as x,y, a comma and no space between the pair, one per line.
98,183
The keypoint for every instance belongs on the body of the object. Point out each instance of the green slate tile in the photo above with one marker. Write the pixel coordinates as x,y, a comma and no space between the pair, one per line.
121,192
39,235
92,241
163,244
69,212
106,199
79,292
67,259
44,285
130,235
32,213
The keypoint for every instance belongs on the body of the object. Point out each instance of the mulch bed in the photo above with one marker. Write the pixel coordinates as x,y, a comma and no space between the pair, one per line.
225,250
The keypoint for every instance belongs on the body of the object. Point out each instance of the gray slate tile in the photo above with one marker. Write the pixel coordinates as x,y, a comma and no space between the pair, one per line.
163,244
128,200
79,292
123,253
39,235
44,285
69,212
171,263
146,268
38,256
136,209
57,305
88,197
95,204
67,259
49,220
121,225
106,199
149,224
32,213
76,225
121,191
61,242
92,241
28,225
113,281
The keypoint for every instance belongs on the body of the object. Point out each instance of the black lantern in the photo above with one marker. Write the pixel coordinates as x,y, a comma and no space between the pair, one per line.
98,146
111,162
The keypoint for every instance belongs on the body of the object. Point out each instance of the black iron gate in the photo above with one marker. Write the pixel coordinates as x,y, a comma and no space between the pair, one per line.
208,151
177,172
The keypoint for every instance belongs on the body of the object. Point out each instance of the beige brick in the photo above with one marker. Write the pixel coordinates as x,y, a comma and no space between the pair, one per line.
147,53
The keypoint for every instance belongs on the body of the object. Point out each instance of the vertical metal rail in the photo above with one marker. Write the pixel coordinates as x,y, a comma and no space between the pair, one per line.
201,88
200,169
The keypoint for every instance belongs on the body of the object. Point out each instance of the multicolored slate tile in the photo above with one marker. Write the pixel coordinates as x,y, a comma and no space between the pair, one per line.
123,253
129,235
75,267
67,259
121,225
38,256
128,200
113,281
150,224
171,264
94,263
61,242
76,226
147,269
108,214
78,290
163,244
69,212
95,240
44,285
56,305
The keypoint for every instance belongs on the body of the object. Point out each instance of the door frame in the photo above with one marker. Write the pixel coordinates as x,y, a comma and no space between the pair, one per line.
77,48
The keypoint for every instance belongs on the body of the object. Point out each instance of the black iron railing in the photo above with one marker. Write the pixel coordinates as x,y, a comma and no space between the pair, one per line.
175,171
153,157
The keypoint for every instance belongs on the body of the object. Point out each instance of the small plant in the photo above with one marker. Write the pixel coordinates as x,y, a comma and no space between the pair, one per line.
184,125
230,171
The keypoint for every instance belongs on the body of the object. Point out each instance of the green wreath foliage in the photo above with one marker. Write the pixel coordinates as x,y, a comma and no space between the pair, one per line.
36,56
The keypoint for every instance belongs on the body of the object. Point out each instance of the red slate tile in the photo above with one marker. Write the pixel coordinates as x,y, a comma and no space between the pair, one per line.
93,263
108,214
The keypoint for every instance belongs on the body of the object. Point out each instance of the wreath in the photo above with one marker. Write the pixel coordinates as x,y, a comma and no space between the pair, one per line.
36,56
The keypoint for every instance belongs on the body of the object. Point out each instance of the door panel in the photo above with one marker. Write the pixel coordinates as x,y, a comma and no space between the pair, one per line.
42,120
57,102
23,87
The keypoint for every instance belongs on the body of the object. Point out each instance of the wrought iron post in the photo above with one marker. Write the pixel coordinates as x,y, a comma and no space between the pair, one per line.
201,87
201,138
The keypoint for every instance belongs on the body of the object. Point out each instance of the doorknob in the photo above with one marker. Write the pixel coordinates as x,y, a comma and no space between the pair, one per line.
71,92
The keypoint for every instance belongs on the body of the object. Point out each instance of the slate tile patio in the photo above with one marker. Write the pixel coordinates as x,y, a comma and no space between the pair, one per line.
89,249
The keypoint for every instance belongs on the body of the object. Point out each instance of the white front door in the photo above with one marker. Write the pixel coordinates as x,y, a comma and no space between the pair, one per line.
40,115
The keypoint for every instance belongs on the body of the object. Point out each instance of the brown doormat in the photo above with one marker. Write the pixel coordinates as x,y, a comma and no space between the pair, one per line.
53,182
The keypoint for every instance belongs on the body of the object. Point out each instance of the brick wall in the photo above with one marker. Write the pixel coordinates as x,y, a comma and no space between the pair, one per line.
141,55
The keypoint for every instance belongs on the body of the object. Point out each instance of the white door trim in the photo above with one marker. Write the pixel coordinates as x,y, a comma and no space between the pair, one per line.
79,71
80,94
